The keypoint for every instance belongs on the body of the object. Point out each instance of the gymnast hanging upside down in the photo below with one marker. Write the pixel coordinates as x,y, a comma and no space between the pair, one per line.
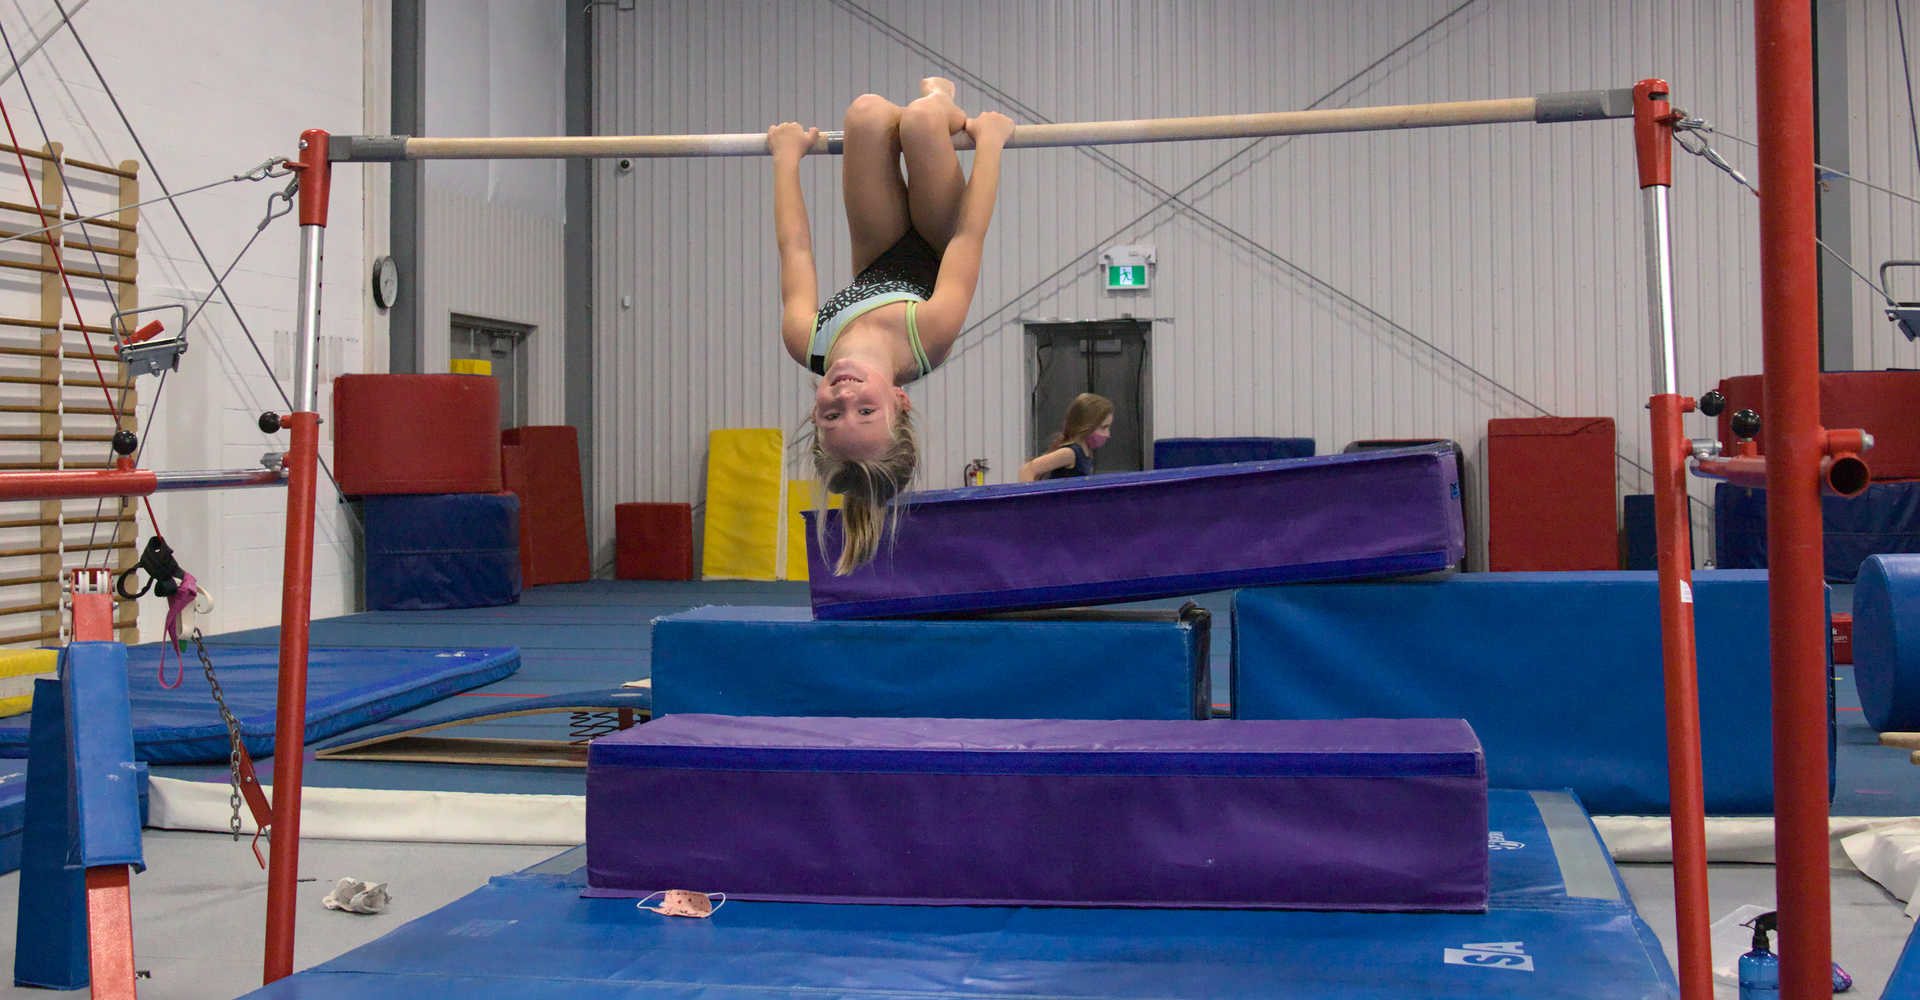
916,256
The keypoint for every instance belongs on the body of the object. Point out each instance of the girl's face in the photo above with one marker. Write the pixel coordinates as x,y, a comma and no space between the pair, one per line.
853,410
1102,433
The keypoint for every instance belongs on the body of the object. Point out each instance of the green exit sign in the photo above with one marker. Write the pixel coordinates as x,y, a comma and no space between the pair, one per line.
1126,277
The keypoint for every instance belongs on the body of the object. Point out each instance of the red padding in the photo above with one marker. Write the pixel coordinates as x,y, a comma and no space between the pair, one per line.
653,541
541,465
1550,494
1881,403
1842,638
416,434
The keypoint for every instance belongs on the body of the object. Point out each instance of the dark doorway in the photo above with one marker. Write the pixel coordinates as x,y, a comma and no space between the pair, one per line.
1104,356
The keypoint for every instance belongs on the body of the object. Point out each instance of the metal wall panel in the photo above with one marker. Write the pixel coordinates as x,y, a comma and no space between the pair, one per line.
1409,284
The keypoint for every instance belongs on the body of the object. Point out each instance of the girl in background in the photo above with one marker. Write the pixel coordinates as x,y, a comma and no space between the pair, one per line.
1088,425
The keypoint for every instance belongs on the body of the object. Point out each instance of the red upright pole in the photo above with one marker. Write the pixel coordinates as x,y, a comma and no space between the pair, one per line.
1795,445
1653,144
296,600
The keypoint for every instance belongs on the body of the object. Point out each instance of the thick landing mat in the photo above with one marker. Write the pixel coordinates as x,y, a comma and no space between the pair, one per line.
1513,654
345,688
1088,663
588,714
1559,926
1105,539
1346,814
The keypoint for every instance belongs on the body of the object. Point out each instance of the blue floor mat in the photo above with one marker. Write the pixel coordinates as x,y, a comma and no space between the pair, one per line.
1560,925
346,688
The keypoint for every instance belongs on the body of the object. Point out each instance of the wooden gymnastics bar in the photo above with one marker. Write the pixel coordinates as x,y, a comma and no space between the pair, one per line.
1573,106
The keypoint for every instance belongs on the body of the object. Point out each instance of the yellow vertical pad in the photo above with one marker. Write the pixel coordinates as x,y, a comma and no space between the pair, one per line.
741,540
800,497
18,669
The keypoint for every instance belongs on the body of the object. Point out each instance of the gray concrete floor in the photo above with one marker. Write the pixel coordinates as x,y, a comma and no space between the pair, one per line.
1870,926
200,906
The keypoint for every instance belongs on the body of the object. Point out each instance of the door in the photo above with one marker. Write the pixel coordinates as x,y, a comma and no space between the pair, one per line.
504,346
1108,357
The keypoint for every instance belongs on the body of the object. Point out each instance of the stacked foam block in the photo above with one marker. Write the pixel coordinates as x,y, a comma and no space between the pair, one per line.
541,466
1022,741
423,451
1550,494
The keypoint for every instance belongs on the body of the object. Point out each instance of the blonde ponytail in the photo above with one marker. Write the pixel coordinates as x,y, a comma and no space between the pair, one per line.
868,488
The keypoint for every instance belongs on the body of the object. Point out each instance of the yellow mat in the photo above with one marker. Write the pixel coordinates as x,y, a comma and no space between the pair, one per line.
800,498
745,507
18,669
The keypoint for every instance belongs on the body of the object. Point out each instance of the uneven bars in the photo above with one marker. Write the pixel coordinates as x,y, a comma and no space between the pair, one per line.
1571,106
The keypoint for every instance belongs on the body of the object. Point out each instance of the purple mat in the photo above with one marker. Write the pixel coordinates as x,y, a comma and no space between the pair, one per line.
1154,534
1354,814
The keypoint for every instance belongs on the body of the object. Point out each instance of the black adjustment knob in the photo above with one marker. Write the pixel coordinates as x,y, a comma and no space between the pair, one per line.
125,442
1712,403
269,422
1746,424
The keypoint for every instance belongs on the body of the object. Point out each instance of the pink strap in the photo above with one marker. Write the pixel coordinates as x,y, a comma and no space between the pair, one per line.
181,600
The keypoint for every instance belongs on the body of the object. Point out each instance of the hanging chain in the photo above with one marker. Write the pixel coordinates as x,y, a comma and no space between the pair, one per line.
233,731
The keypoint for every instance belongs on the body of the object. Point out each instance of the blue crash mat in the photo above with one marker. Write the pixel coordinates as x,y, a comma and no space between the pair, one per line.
346,688
1560,926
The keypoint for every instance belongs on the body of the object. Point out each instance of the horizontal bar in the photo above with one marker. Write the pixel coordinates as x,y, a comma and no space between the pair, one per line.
98,438
8,640
25,265
48,522
1581,106
78,378
57,549
47,324
77,246
99,411
215,479
82,164
68,217
10,350
1840,475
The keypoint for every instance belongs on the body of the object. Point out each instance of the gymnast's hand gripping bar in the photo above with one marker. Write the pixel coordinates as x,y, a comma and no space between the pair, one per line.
1571,106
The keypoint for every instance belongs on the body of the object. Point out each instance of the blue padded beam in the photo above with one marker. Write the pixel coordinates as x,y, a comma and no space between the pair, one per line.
106,781
50,936
1075,664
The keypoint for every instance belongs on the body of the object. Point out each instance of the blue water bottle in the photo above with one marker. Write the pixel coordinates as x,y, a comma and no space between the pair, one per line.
1760,968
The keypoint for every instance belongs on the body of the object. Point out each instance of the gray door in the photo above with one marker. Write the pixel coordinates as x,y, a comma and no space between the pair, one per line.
503,344
1104,356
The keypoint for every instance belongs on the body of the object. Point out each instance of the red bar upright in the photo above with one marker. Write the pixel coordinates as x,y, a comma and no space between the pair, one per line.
1795,444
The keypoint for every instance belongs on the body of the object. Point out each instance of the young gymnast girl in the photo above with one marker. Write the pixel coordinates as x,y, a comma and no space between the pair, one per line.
916,256
1088,425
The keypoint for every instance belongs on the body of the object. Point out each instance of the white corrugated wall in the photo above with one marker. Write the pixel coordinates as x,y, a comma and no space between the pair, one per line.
491,233
1410,284
1883,152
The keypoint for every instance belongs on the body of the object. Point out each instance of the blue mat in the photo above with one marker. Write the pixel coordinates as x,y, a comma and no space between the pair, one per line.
345,688
1560,925
1513,654
1067,664
1904,984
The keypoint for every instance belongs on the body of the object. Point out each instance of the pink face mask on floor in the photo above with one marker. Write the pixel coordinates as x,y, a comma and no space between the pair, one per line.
684,903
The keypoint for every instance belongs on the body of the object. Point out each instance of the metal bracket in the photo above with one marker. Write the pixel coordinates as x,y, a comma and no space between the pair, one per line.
1705,447
150,356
